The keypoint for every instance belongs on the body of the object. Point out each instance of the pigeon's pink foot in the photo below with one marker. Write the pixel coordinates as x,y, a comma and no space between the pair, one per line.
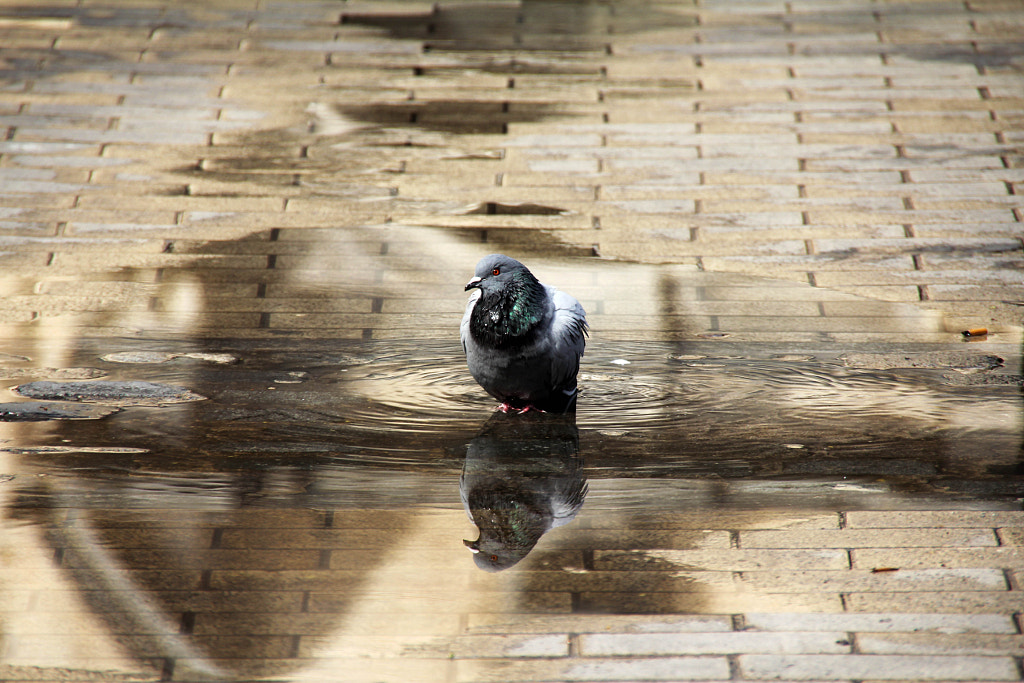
507,408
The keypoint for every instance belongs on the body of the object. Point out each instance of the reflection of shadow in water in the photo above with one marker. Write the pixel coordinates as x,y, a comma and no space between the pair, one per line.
522,477
565,27
213,592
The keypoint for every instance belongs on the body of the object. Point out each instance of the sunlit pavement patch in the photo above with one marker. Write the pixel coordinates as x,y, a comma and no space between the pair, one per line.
936,360
962,368
51,373
960,378
38,450
130,393
34,411
164,357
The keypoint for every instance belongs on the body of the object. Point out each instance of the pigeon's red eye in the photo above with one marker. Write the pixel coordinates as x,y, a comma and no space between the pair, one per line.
496,271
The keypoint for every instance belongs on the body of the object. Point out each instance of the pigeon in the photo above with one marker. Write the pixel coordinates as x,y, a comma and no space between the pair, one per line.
523,339
522,477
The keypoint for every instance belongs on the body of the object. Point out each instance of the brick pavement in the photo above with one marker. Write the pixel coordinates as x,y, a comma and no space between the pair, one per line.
326,170
863,147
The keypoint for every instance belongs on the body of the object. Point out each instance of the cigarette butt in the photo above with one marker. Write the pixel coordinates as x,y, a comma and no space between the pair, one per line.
881,570
976,332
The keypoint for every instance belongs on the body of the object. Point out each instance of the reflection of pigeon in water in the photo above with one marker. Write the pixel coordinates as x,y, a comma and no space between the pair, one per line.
522,477
523,340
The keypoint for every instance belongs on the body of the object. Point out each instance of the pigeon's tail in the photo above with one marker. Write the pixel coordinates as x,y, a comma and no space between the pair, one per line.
561,401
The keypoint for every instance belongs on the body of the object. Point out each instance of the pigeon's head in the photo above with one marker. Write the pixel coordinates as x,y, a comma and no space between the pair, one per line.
493,272
491,555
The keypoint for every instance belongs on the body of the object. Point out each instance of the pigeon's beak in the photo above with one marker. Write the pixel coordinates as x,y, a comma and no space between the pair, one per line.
472,545
474,283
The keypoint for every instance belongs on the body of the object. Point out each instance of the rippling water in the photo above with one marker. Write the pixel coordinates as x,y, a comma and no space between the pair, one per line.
326,420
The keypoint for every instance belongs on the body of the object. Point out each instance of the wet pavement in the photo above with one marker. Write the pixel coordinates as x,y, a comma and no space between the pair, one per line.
238,440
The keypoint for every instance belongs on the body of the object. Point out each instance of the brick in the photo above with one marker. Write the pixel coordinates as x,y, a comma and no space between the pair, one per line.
214,559
966,202
855,538
972,293
326,580
720,602
883,623
307,624
596,669
124,538
159,580
827,269
16,316
963,262
830,324
707,520
112,201
193,601
992,276
933,518
636,539
429,645
753,232
703,192
922,216
35,648
188,670
45,147
964,579
940,644
16,672
510,646
40,187
1011,535
513,601
661,644
551,141
780,292
874,309
877,667
945,177
975,602
748,220
1005,557
1005,229
978,162
584,623
723,560
105,137
633,581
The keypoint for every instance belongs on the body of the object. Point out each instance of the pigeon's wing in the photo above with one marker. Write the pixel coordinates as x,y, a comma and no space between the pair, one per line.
568,334
464,495
569,501
464,328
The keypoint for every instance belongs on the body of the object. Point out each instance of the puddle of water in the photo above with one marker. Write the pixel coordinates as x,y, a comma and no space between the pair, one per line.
711,409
